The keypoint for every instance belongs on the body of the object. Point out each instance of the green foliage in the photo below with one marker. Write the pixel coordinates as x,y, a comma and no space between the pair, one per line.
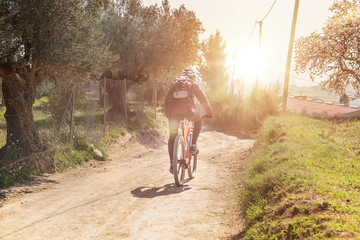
2,111
80,142
2,128
40,101
302,181
111,137
151,41
59,37
10,152
247,114
2,137
45,89
16,175
256,212
52,46
58,102
46,41
213,69
68,157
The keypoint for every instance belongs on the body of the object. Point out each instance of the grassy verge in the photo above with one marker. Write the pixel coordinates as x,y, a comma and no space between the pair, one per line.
303,181
15,175
2,127
70,155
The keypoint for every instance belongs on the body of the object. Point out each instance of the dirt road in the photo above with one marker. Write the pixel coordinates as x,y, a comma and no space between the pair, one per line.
133,196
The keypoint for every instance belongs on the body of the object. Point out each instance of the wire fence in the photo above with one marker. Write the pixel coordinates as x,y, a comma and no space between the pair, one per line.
93,111
108,105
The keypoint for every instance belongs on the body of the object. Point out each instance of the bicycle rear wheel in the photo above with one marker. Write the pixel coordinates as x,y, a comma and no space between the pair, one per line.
179,161
192,166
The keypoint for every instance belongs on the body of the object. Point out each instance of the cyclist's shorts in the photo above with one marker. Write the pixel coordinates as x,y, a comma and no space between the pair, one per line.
180,110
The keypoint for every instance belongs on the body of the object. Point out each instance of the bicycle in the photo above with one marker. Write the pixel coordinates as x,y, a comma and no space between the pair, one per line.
182,157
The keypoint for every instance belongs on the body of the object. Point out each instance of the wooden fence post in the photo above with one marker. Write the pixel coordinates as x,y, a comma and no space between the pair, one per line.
104,105
155,96
66,108
72,114
125,104
142,97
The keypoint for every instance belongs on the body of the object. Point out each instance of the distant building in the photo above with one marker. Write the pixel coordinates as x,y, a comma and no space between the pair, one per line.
344,99
301,97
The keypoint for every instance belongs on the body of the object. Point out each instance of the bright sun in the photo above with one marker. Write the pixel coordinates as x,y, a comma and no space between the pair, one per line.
248,63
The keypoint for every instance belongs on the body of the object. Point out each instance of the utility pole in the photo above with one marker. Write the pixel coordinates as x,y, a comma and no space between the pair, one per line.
259,50
288,62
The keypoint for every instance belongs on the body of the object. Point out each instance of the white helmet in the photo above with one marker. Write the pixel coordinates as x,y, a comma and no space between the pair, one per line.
190,73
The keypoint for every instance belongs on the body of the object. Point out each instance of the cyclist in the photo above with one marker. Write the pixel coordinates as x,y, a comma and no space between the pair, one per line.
179,104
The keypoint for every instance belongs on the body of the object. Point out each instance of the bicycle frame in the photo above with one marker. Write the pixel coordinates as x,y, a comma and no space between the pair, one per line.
186,129
187,161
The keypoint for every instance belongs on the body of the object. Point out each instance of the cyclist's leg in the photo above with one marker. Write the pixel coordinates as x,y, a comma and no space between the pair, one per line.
196,118
196,131
177,111
173,129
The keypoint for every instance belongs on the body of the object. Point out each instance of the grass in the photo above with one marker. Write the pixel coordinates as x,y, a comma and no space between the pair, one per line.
2,137
39,102
111,136
303,180
2,127
65,155
15,175
68,155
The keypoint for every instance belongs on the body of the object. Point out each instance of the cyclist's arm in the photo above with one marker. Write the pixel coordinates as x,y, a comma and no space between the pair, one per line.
167,99
168,95
201,97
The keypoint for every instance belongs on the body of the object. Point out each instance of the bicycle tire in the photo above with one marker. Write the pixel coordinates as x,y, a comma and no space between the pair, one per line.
192,166
178,161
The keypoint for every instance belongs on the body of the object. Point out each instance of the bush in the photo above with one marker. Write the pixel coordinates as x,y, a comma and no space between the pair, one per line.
247,114
70,158
16,175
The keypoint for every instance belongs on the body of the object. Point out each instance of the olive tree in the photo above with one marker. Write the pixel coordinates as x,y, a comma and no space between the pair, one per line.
44,39
214,72
151,43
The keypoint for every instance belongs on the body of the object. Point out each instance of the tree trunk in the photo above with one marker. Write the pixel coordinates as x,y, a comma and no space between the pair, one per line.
116,90
18,97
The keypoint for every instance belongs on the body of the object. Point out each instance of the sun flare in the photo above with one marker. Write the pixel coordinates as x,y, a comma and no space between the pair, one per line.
248,63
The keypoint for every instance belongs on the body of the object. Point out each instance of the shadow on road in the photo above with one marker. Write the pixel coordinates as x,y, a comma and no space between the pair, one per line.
38,180
25,188
151,192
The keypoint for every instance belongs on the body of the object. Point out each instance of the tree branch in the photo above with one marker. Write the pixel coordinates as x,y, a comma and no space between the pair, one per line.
345,69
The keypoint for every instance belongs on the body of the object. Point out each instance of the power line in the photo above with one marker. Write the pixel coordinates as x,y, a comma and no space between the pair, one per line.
278,71
269,11
252,31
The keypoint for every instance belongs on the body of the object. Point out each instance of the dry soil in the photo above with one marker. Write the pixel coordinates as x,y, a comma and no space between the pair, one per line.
133,195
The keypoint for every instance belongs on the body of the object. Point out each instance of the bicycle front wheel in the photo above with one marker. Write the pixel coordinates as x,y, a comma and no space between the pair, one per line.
179,161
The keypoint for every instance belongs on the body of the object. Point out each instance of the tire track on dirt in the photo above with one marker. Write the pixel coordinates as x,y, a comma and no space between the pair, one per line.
133,196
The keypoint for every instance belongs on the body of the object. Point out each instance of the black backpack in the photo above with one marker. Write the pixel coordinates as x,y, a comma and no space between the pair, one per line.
182,89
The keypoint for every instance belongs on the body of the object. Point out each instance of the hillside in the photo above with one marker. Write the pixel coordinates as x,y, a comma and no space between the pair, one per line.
303,180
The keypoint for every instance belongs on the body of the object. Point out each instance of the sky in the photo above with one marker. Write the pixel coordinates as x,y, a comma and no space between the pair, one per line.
235,20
